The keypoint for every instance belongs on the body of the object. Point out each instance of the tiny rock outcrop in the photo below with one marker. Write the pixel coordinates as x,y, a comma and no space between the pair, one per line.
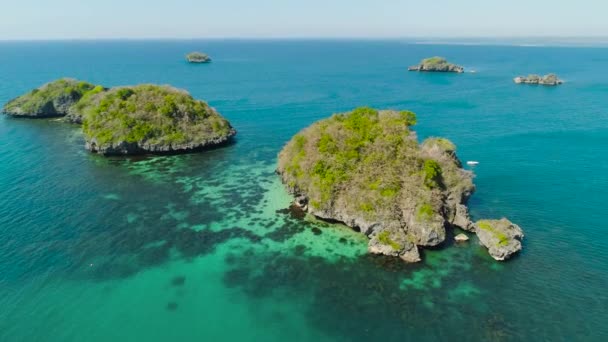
461,238
198,57
436,64
549,80
501,237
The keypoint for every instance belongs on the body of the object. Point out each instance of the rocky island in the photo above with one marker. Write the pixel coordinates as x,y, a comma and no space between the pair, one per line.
549,80
128,120
198,57
436,64
151,119
367,170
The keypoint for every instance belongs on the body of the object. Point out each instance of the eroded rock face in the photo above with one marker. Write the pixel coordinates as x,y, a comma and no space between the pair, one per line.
501,237
436,64
549,80
134,148
393,242
427,232
461,218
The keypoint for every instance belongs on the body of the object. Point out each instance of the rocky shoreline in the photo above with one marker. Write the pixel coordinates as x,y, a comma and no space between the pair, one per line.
502,238
138,148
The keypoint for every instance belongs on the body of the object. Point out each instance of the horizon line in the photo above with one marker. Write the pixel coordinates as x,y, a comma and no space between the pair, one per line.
591,42
432,37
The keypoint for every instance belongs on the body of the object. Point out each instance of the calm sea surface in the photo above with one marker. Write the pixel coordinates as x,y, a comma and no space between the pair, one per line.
200,247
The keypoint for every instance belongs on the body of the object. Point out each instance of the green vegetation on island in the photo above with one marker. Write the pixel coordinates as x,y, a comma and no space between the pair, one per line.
198,57
53,99
75,113
434,61
501,237
128,120
150,118
436,64
366,169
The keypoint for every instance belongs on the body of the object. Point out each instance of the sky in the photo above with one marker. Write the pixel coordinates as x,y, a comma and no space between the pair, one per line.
186,19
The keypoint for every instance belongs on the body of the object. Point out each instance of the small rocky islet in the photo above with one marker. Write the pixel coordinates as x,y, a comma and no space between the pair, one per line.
548,80
198,57
128,120
367,170
436,64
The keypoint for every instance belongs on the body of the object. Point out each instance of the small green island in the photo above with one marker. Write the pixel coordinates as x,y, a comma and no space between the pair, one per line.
367,170
130,120
198,57
436,64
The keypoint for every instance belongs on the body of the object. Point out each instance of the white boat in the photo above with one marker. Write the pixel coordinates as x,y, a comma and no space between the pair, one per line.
472,162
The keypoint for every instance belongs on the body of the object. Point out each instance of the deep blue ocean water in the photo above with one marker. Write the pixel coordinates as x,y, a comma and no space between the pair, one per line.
199,247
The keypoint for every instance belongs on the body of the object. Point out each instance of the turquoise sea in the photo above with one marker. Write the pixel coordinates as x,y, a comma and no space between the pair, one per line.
200,247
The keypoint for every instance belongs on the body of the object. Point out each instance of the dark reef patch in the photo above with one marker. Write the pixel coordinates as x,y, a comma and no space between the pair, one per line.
153,256
122,250
113,269
299,250
363,298
191,243
294,223
230,259
236,277
287,231
178,281
293,212
126,223
171,306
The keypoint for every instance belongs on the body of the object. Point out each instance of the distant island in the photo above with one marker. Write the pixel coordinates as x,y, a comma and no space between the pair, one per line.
436,64
550,80
128,120
366,169
198,57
